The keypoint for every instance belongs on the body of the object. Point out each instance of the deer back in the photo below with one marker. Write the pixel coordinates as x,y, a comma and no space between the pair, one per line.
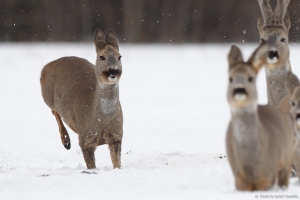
69,87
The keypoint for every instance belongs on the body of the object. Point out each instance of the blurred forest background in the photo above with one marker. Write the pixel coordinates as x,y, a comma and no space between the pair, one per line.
136,21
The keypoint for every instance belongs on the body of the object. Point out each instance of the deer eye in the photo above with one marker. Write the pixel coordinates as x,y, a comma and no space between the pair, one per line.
250,79
292,103
283,40
102,58
119,58
262,40
230,80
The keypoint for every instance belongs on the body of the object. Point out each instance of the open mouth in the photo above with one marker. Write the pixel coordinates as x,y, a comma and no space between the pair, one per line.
239,94
272,57
112,74
298,118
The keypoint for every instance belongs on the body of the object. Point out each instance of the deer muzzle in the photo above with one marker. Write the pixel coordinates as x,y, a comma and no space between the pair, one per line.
239,94
298,119
112,74
273,57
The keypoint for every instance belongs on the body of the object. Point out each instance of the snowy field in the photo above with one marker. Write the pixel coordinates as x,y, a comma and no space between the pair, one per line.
175,120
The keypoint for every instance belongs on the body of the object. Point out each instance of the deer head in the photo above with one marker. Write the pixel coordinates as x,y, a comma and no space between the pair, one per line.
274,27
242,76
108,62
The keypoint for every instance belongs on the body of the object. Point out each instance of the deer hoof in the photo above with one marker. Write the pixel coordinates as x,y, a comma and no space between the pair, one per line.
67,145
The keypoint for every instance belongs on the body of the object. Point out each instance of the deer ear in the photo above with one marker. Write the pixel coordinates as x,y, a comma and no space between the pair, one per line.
266,11
235,56
111,39
99,39
281,13
260,24
287,21
259,57
291,82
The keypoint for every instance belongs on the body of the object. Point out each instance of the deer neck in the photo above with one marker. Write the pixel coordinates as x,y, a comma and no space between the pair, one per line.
107,99
245,124
276,79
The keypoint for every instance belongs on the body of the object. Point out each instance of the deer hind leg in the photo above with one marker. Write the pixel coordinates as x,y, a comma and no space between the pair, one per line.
115,153
64,136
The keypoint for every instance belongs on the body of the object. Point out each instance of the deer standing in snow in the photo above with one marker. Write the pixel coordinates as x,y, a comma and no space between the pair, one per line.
259,141
86,98
293,84
274,28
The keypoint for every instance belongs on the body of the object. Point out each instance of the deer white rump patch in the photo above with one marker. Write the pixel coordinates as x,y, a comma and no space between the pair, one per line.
240,97
108,105
272,60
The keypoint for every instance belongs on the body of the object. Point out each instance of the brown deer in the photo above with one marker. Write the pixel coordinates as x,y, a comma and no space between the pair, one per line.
293,84
86,98
259,140
274,27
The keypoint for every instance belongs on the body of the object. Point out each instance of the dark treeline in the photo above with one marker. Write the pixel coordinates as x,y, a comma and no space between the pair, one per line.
167,21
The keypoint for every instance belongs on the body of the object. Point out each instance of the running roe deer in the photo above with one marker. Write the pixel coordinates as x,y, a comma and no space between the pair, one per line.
86,98
274,27
259,139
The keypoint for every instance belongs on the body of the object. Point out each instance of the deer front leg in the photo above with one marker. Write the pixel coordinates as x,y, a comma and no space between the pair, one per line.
115,153
89,156
296,162
242,184
283,177
295,170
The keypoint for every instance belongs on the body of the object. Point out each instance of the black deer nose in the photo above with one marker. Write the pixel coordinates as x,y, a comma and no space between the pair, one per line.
298,116
273,54
114,72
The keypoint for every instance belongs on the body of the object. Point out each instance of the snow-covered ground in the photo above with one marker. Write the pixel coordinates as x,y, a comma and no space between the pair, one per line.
175,120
